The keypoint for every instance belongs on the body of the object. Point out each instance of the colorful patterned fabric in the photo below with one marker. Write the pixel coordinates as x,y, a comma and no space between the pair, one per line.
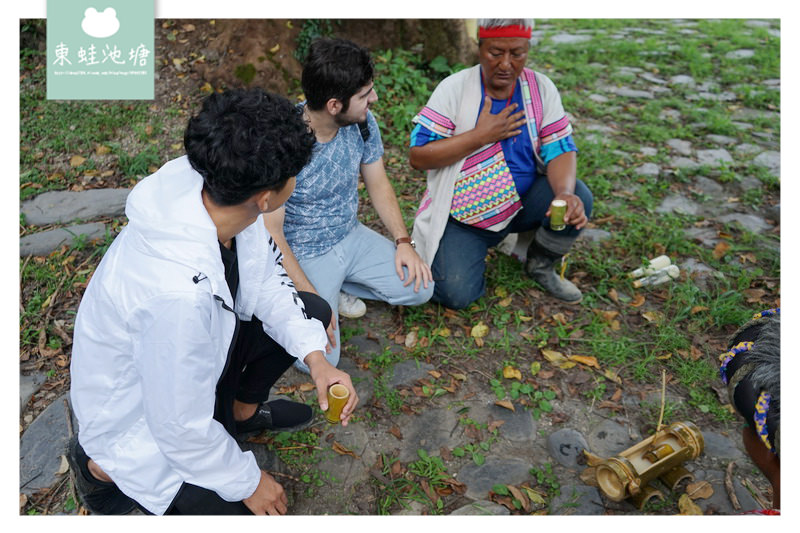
760,418
769,312
728,356
485,195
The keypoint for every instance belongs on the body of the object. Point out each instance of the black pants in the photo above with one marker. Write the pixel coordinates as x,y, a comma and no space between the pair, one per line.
254,364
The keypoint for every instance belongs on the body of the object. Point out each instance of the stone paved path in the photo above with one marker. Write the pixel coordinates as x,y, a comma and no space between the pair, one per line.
522,443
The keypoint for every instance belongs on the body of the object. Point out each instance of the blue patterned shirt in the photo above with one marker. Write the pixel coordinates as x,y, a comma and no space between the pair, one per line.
323,208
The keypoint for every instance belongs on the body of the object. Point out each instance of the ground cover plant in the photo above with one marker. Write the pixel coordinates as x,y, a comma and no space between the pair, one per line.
632,88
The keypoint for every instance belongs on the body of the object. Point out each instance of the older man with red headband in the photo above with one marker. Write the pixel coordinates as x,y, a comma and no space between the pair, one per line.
498,149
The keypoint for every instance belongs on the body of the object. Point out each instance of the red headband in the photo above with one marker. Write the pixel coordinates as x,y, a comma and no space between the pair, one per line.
505,31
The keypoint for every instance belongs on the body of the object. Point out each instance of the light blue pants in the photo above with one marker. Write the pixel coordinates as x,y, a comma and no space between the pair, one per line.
361,264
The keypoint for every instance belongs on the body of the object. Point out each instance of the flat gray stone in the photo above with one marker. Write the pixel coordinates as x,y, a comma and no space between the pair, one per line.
480,479
482,508
364,345
680,146
706,236
58,207
610,438
600,99
407,372
683,163
720,502
45,242
693,266
345,469
595,234
648,151
653,79
568,38
708,186
577,500
740,54
633,93
682,79
566,446
720,139
770,160
678,204
724,96
519,425
429,431
650,170
720,447
28,386
42,445
714,157
747,149
362,380
751,223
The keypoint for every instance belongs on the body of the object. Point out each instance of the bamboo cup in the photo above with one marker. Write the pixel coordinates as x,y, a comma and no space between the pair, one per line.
337,398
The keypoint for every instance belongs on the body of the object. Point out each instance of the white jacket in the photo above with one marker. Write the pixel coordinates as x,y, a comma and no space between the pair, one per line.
152,339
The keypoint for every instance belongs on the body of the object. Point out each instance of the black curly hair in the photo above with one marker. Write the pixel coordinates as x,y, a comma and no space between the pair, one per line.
245,141
335,68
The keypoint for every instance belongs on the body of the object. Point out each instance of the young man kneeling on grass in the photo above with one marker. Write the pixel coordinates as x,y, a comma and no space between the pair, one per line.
190,319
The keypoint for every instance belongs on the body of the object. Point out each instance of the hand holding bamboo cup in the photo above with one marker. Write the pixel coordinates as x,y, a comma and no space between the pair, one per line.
337,399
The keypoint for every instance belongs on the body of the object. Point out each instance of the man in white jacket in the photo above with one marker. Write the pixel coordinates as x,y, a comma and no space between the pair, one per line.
189,320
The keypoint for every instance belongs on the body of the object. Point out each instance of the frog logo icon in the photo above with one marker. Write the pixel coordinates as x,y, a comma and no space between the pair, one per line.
100,25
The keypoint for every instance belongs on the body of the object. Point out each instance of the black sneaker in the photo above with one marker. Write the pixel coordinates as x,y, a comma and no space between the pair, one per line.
277,415
99,497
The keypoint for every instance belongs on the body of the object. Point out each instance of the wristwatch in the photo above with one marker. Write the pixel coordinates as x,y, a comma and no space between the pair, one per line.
401,240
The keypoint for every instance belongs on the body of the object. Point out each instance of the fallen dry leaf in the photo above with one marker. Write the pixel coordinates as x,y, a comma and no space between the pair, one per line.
504,403
587,360
520,497
699,489
612,293
341,450
479,330
500,292
558,359
695,353
495,424
435,374
653,316
535,496
720,250
441,332
411,339
560,318
697,309
687,506
307,387
76,161
754,295
459,376
638,300
505,302
510,372
396,432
